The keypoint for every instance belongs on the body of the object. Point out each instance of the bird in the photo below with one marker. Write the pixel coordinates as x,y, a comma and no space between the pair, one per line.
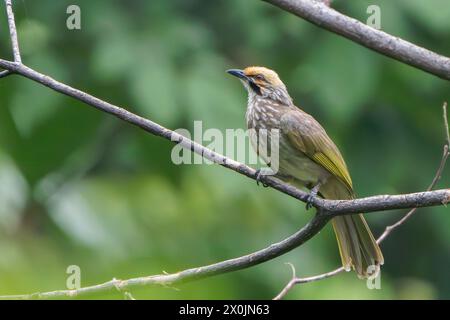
307,159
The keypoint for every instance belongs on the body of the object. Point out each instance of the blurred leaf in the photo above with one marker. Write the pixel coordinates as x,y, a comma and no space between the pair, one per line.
34,37
154,88
416,289
34,108
13,195
432,14
72,212
210,95
109,63
341,75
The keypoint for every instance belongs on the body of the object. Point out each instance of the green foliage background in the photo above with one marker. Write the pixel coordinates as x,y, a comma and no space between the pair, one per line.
79,187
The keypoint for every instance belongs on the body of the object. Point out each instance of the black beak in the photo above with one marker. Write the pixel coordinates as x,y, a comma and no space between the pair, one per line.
237,73
241,75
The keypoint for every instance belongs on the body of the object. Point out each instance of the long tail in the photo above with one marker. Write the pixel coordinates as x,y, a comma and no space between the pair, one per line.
357,246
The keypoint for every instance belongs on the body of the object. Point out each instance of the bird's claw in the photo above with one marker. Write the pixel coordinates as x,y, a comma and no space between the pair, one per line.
258,178
312,196
309,201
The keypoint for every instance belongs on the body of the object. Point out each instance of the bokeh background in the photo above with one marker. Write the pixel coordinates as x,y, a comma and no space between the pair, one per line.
78,187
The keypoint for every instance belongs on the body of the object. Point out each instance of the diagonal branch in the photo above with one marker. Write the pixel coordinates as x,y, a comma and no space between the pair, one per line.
5,73
325,17
13,32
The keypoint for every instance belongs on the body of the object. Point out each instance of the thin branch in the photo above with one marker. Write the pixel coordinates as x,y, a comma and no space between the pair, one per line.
294,280
444,115
289,285
13,32
5,73
446,153
325,17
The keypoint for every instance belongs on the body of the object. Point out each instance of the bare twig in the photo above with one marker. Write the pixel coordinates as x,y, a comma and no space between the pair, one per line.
325,17
444,115
289,285
5,73
294,280
13,32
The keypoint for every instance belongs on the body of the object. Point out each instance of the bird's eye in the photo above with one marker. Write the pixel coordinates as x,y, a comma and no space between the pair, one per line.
259,77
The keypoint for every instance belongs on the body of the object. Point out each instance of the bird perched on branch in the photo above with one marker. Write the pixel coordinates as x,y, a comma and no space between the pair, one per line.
307,158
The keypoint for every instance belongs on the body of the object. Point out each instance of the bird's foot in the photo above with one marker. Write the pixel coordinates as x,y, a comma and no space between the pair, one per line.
312,196
259,173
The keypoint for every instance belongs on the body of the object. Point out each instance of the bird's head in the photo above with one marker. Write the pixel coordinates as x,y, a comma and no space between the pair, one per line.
263,82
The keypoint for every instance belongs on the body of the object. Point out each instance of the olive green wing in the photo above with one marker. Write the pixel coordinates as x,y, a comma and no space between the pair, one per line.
308,136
